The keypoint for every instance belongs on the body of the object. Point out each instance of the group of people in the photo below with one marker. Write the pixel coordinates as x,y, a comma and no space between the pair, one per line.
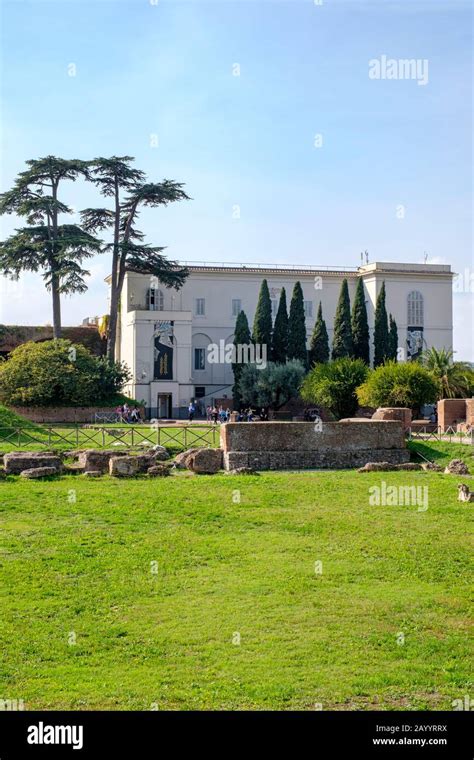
215,415
128,414
220,414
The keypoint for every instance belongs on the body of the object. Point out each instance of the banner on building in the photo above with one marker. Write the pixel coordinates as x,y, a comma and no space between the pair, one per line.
163,350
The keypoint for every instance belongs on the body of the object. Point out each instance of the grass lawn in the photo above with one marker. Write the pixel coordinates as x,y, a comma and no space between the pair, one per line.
88,624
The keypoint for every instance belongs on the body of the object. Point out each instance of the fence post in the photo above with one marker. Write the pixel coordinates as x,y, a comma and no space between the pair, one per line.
103,438
185,444
132,435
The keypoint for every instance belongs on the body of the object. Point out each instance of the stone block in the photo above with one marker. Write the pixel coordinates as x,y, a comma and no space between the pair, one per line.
158,471
124,467
16,462
39,472
205,461
98,459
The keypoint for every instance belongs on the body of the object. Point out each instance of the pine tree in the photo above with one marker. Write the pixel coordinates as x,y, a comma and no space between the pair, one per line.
297,327
393,339
319,347
381,335
242,338
280,332
360,325
129,192
57,250
342,345
262,323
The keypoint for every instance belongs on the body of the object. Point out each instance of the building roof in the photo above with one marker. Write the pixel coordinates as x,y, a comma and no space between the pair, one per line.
308,269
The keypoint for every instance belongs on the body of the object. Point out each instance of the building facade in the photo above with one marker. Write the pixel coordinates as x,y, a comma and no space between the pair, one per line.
169,338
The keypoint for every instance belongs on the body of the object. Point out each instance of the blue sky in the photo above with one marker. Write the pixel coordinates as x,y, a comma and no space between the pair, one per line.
167,70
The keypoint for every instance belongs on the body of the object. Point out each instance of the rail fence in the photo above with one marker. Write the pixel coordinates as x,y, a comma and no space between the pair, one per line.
449,434
103,437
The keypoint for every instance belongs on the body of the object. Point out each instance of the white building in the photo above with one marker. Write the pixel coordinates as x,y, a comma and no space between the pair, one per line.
164,334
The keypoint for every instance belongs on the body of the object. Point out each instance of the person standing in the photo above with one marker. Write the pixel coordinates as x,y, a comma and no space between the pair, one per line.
191,411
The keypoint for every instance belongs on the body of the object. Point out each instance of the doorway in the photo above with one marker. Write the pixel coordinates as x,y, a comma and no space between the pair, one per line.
164,405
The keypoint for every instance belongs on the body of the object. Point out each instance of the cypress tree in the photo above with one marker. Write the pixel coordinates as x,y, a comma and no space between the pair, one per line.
319,347
241,337
393,339
297,327
342,345
360,325
262,323
280,332
381,337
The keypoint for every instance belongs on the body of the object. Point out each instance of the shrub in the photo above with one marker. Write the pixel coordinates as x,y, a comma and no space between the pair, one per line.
408,384
334,385
58,372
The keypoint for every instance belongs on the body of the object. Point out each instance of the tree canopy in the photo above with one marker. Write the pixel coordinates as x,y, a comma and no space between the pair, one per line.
130,192
407,384
319,346
360,325
280,332
272,387
241,338
381,332
262,323
334,385
342,344
297,327
58,372
56,250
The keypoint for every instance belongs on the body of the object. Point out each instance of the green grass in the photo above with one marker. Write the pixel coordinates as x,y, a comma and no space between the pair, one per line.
441,452
76,561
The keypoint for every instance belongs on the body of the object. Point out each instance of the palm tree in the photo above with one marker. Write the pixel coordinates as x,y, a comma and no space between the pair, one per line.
455,379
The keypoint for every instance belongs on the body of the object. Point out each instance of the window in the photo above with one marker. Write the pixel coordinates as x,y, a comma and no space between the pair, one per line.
199,359
236,307
274,307
200,307
199,391
415,309
308,309
155,300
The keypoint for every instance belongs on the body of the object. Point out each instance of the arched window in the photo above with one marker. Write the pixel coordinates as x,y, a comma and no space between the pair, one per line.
415,309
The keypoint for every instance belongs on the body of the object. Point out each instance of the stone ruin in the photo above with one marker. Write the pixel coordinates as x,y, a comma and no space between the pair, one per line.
307,445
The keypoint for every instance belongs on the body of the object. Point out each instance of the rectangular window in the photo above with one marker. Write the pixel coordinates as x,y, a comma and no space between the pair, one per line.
200,307
236,307
274,307
199,358
199,391
308,309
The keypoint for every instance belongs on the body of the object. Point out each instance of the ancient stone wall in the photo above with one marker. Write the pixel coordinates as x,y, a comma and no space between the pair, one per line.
306,445
451,411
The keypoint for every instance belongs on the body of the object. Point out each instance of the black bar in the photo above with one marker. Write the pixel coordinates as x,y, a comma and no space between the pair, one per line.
311,734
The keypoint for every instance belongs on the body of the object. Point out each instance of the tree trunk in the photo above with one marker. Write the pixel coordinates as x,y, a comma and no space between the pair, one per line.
55,278
114,291
113,318
56,307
